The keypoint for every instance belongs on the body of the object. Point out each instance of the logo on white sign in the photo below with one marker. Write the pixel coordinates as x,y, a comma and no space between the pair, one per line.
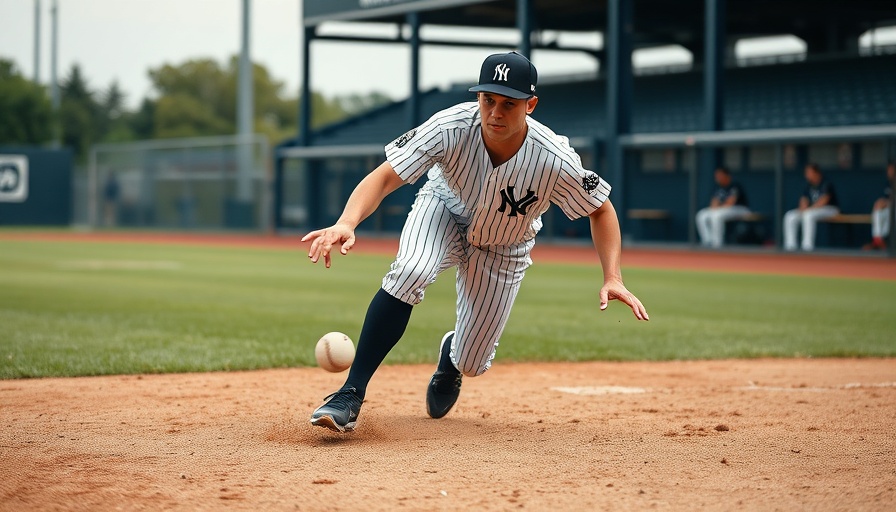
13,178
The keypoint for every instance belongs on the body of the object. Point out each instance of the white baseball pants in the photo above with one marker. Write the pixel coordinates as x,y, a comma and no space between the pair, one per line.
794,220
711,223
488,278
880,223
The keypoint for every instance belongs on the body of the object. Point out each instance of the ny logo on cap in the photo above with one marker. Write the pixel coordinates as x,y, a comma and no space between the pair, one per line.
501,71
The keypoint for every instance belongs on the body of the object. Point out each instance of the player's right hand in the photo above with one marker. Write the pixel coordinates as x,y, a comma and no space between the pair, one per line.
323,241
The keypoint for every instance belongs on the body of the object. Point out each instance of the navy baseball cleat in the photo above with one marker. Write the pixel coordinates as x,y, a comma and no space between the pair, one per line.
444,387
340,413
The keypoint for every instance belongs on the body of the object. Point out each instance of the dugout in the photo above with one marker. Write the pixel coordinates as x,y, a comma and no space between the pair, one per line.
656,137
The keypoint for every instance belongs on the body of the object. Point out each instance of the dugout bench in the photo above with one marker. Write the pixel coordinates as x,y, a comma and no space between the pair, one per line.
847,223
753,228
650,223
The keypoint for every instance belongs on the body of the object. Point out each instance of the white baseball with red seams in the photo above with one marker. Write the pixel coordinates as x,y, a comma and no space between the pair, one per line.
334,352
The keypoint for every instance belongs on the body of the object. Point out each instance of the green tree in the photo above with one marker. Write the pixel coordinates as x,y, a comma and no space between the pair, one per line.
193,100
25,111
80,114
142,121
198,98
115,120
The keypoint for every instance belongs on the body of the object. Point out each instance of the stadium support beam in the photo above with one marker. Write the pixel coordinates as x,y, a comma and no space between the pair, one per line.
779,191
714,65
459,44
524,25
714,48
619,92
304,136
890,144
413,105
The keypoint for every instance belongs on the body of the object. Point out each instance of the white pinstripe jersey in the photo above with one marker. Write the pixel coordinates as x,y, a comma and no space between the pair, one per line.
498,205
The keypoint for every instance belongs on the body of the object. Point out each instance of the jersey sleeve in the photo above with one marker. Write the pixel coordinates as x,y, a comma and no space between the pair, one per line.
579,191
415,152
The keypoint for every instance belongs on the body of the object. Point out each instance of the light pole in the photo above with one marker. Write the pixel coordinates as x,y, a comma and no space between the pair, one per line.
54,82
37,41
241,207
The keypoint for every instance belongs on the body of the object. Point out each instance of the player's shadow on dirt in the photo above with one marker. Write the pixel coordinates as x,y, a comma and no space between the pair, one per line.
378,428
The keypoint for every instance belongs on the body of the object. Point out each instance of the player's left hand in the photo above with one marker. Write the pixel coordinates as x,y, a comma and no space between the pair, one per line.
615,290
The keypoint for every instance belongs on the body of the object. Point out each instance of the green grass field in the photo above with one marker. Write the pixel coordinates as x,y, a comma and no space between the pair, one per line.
101,308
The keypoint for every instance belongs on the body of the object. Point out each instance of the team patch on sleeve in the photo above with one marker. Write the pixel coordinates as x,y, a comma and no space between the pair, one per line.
404,139
590,181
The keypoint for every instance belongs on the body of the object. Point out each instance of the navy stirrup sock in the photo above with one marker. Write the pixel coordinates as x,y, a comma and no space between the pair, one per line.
385,323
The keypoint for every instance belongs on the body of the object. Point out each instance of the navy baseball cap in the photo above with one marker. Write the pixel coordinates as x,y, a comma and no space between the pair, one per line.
507,74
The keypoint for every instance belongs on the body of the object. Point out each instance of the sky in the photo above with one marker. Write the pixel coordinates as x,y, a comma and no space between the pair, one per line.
120,40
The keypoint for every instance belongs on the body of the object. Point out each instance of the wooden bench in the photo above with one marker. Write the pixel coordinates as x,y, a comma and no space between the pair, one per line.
646,214
748,229
848,220
751,217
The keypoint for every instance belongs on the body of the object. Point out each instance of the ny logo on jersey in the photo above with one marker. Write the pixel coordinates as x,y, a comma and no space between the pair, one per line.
507,198
501,71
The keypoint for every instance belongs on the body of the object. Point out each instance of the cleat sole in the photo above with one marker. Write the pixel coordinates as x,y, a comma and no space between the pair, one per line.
328,422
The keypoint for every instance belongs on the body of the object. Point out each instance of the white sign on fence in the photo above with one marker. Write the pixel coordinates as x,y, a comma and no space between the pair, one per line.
13,178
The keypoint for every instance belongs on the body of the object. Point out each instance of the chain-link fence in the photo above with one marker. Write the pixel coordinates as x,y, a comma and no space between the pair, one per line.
195,183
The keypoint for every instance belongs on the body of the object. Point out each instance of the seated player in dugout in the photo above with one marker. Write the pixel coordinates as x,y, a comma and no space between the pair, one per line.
491,171
880,213
729,202
817,202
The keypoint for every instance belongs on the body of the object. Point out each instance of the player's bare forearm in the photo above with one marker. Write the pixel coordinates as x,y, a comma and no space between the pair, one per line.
607,240
363,201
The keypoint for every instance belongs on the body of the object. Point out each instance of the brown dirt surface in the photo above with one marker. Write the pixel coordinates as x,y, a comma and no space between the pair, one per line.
717,435
799,434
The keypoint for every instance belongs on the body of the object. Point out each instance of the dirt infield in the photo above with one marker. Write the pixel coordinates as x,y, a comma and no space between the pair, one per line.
716,435
721,435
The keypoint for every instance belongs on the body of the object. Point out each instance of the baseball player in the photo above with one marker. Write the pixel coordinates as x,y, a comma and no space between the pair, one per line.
880,213
818,201
491,172
729,201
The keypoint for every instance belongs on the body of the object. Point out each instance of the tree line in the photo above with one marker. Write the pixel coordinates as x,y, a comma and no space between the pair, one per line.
192,99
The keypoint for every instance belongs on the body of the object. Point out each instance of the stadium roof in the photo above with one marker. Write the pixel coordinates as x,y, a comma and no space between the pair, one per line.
823,24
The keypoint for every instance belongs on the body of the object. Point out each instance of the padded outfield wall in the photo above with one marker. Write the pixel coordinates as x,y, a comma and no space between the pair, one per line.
35,186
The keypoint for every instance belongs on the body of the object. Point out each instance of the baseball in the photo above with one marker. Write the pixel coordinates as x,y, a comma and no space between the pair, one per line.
334,352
